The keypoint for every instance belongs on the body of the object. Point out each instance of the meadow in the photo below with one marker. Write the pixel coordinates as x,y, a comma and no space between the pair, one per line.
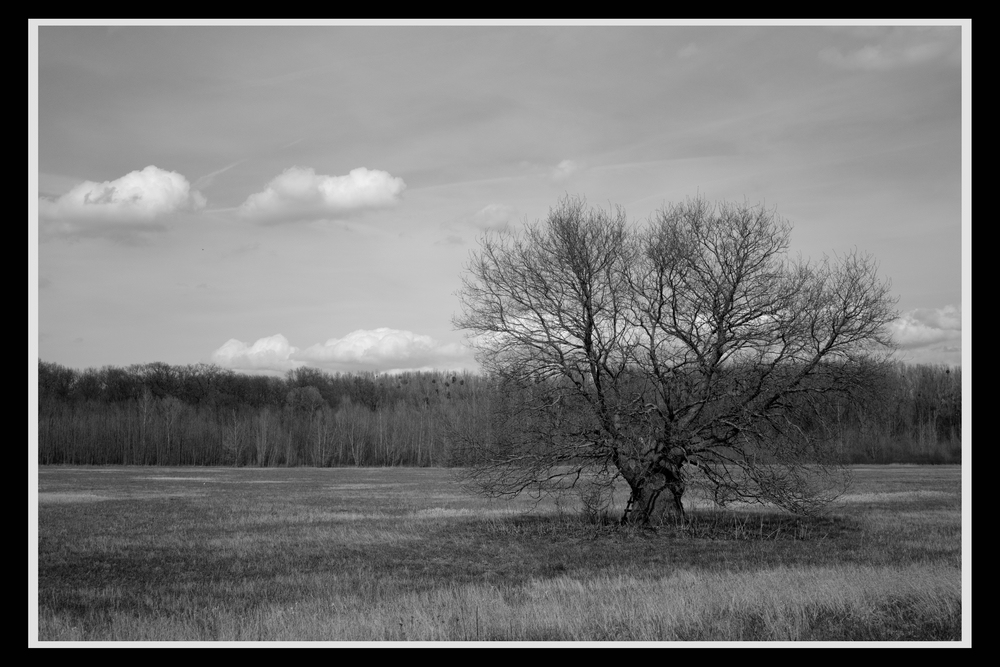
403,554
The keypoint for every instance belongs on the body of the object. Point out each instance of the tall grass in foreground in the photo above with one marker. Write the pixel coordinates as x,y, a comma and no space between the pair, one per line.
303,554
781,604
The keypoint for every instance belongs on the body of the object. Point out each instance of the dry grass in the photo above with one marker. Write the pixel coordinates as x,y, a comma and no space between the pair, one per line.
397,555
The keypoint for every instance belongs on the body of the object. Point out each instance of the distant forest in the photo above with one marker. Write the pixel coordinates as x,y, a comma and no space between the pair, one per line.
157,414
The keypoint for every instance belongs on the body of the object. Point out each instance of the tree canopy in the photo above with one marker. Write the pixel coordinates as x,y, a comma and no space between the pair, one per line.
692,347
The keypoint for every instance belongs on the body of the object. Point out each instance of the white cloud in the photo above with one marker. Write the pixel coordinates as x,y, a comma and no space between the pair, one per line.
924,327
451,239
300,193
564,170
267,354
898,47
131,202
381,349
495,217
490,218
688,51
384,348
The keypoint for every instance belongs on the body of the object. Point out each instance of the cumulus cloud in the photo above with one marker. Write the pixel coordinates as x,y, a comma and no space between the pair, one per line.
930,335
564,170
300,194
922,327
688,51
494,217
451,239
384,348
490,218
131,203
381,350
897,47
267,354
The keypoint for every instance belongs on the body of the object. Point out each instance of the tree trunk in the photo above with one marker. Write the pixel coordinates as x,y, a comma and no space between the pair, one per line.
656,497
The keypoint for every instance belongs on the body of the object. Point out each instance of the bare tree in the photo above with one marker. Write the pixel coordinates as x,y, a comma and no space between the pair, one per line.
690,348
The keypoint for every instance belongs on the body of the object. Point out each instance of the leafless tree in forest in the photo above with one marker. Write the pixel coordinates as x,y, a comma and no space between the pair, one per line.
689,348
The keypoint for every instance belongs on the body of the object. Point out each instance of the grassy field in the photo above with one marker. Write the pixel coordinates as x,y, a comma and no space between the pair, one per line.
400,554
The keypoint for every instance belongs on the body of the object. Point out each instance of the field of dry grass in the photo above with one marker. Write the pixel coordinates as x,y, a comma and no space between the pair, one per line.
400,554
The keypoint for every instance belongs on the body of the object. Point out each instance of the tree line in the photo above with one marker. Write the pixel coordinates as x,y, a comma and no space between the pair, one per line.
157,414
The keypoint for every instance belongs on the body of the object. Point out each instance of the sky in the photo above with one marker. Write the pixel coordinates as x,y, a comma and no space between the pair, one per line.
266,197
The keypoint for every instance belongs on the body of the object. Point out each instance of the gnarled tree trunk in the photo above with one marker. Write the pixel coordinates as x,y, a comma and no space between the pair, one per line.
657,493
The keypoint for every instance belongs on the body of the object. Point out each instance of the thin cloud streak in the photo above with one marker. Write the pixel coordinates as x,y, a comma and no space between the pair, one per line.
206,180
